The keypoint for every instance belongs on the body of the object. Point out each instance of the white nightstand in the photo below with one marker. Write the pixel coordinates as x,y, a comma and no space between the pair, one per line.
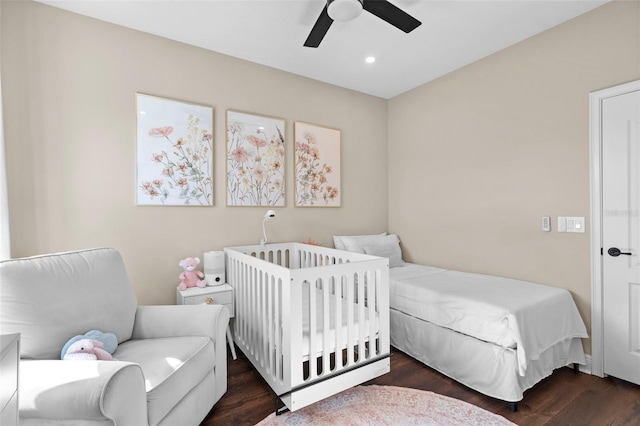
9,359
211,295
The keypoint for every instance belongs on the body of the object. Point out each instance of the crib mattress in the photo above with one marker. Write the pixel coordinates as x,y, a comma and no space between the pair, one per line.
527,317
370,325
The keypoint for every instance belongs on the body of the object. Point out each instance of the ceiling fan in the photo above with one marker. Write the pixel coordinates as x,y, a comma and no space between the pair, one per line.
346,10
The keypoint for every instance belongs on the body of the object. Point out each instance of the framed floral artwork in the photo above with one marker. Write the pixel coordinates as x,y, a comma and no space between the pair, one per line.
317,166
255,160
175,152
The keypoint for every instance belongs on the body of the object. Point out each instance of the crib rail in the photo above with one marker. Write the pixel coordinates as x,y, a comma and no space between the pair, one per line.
305,314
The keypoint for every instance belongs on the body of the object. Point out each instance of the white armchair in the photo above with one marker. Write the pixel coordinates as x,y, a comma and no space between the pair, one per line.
172,360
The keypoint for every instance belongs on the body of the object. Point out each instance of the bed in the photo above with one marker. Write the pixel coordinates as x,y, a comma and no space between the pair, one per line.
313,321
498,336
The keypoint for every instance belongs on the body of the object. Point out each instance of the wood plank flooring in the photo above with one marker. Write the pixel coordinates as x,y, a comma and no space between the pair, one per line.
565,398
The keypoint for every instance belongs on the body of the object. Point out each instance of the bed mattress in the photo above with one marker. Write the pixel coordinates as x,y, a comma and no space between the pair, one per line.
526,317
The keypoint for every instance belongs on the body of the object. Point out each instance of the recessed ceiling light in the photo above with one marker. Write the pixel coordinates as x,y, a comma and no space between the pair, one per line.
370,59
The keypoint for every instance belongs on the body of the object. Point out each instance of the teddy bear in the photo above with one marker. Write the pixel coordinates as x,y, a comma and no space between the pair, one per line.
190,277
87,349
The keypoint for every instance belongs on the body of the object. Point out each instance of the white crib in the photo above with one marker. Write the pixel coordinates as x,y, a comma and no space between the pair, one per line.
288,300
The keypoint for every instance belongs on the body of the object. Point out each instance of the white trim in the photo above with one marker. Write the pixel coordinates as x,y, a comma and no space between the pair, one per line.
5,241
587,368
595,167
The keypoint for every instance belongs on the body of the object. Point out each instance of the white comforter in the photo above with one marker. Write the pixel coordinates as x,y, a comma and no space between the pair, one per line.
515,314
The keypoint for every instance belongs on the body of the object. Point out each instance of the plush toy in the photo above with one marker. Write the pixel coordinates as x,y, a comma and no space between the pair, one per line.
109,341
191,276
87,349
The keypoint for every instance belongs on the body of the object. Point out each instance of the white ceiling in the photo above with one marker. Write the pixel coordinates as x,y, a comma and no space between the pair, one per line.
272,32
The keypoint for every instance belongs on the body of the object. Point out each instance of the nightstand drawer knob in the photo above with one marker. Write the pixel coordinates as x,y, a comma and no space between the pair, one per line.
209,300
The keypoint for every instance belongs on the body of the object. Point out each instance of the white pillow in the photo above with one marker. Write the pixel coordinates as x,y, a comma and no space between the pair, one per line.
353,242
387,246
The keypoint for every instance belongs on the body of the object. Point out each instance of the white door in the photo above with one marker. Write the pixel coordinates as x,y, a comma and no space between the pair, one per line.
621,235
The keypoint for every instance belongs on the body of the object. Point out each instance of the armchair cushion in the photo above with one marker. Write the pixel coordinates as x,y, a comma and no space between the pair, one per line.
170,321
160,359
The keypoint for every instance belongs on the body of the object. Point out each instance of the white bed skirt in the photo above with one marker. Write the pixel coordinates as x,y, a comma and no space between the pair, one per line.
484,367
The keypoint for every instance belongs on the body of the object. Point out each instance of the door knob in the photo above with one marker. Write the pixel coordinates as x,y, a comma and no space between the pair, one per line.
615,252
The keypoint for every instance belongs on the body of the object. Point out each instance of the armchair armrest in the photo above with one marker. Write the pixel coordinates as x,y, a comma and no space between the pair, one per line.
181,320
186,320
64,391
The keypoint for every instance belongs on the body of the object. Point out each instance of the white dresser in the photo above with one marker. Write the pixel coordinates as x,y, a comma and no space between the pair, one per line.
211,295
9,361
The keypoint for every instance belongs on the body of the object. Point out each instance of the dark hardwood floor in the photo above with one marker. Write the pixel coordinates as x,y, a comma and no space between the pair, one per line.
565,398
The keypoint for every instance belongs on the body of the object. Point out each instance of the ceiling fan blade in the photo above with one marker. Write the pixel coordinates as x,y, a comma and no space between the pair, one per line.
392,14
319,29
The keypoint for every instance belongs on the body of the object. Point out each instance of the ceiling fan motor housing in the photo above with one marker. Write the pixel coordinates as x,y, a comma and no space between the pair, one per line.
344,10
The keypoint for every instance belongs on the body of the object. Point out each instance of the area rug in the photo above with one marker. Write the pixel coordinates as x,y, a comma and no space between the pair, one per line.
388,405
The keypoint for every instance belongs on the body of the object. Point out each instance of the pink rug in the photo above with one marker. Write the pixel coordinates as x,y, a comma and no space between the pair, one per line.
388,405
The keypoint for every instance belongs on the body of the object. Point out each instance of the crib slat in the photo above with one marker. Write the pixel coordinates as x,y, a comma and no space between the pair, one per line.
338,337
361,322
326,316
372,303
292,328
262,314
350,331
269,324
312,330
253,332
277,320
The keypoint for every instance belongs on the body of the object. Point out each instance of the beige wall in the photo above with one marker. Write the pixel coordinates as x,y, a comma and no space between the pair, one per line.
477,157
69,92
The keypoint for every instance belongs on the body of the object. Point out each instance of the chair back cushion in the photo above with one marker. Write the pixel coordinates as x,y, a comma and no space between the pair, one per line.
49,299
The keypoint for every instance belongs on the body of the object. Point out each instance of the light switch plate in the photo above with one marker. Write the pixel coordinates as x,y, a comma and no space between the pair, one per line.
571,224
577,224
562,224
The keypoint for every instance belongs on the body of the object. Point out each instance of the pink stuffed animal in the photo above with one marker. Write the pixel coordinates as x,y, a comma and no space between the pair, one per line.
87,349
191,276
